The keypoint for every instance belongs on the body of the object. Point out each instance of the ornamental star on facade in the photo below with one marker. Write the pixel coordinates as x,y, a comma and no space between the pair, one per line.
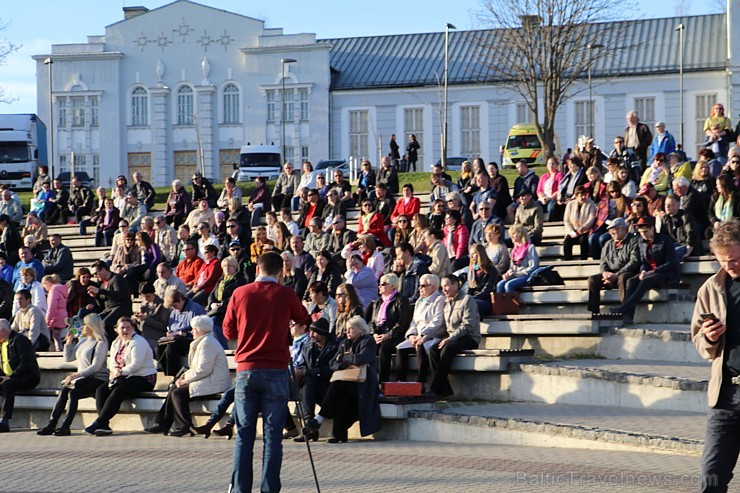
205,40
162,41
183,30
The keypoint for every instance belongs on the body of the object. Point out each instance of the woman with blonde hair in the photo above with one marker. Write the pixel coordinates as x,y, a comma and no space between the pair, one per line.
56,308
90,353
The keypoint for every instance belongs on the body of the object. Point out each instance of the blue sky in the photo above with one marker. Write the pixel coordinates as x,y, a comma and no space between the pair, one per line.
71,21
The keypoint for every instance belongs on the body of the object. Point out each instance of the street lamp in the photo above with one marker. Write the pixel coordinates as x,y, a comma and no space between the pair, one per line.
680,28
448,26
284,62
50,62
591,47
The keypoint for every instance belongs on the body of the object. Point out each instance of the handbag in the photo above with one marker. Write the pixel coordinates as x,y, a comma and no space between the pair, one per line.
353,373
505,303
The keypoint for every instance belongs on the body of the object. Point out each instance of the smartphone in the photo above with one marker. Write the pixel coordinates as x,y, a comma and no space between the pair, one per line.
708,316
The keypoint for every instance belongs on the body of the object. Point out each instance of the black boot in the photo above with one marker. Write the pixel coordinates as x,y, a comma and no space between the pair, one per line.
204,430
49,429
226,431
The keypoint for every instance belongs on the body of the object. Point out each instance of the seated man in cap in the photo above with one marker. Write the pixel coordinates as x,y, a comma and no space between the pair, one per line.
203,189
657,254
529,214
619,262
18,370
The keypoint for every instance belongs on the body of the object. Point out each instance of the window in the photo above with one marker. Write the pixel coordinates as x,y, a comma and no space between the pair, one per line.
80,162
645,109
94,113
270,106
96,168
228,158
704,103
186,162
231,104
139,107
141,162
584,118
413,123
289,106
62,112
289,154
304,153
523,114
78,112
63,163
303,96
470,130
358,135
185,106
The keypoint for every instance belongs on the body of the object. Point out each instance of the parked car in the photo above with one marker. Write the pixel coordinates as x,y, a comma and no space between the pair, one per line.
82,175
331,164
454,163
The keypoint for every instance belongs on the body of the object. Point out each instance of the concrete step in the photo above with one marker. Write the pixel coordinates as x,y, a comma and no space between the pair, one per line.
582,269
663,342
546,325
673,312
636,384
578,293
562,426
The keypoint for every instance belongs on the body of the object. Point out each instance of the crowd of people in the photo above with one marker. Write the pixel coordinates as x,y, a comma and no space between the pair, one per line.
404,282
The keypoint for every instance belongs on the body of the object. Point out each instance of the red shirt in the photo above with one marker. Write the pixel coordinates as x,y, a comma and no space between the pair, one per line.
408,209
309,215
258,316
188,270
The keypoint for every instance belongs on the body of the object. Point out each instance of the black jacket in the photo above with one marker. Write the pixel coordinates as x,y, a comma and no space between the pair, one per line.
204,191
219,312
397,317
664,255
388,176
6,299
485,285
316,360
22,359
385,207
82,198
117,294
331,277
145,193
304,212
59,261
298,282
681,228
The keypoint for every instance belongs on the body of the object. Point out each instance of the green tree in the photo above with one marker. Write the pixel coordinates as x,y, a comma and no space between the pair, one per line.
540,50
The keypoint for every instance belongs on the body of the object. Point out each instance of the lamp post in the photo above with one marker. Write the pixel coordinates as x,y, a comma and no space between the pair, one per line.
284,62
680,28
50,62
448,26
591,47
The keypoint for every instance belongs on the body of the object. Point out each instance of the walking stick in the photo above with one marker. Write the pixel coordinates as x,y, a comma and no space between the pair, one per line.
295,392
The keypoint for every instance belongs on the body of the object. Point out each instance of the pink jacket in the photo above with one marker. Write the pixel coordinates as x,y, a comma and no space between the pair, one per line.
460,238
56,313
555,183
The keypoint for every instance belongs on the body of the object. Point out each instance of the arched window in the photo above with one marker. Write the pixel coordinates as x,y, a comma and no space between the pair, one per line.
185,106
139,107
231,104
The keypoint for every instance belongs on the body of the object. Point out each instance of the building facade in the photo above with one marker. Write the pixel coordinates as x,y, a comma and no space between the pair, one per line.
184,86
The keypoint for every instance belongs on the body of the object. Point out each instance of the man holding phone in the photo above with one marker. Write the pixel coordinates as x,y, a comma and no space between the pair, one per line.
715,330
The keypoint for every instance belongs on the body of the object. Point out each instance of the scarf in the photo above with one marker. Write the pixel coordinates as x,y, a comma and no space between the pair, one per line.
519,252
465,175
723,208
222,286
655,169
384,307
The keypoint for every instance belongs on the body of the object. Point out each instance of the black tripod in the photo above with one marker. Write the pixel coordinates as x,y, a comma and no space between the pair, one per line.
296,395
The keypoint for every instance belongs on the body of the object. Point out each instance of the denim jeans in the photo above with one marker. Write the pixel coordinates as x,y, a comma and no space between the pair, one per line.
265,391
722,441
511,285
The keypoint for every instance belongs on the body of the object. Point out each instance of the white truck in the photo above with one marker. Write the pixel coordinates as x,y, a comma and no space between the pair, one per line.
259,160
22,149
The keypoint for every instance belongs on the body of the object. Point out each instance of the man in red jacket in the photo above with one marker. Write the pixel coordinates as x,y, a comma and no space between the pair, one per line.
259,316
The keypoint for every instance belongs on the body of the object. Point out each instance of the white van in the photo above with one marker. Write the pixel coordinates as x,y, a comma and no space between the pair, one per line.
259,160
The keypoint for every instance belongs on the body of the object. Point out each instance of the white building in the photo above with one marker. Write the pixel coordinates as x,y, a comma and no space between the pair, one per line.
143,95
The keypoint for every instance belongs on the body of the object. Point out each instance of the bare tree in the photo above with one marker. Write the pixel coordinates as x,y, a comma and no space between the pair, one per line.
541,49
6,48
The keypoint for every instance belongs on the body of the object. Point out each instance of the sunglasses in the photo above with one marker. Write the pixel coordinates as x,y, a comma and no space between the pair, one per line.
233,225
402,221
484,208
384,284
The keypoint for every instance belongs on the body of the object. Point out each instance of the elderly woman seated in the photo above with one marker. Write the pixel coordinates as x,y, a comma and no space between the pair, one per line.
208,374
131,371
90,353
348,401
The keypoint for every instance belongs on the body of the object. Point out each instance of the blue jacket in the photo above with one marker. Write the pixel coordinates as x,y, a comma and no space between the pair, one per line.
37,266
666,145
664,255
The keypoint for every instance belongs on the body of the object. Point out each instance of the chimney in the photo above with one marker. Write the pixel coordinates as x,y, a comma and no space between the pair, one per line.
131,12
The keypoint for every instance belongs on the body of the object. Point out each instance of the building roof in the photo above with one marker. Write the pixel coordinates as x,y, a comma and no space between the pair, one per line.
405,60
